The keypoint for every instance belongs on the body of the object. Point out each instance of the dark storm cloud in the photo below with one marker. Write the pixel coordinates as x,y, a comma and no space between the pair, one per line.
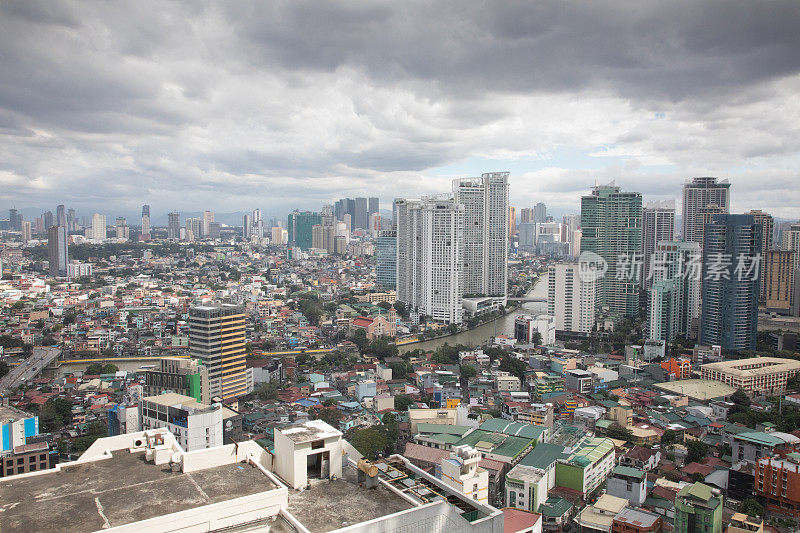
293,101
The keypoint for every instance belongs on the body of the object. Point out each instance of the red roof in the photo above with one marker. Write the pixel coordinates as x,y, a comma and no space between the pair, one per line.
518,520
362,321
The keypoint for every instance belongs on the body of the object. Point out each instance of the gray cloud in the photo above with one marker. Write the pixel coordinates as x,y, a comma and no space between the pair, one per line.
291,103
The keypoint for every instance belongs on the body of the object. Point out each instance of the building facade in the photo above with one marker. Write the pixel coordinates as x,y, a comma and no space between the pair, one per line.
658,224
196,426
611,226
731,284
571,299
386,259
701,197
217,339
57,251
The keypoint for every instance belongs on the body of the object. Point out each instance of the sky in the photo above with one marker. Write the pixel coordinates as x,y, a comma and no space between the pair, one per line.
229,106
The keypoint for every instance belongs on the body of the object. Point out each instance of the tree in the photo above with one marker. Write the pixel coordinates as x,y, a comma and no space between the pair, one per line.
536,338
513,366
369,441
669,437
468,371
751,507
267,391
615,431
697,451
329,415
54,414
402,402
741,399
98,368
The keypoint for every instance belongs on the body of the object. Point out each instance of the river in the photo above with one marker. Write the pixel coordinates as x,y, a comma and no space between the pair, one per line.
501,326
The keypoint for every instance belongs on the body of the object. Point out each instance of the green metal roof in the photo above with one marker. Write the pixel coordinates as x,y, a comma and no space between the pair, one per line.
698,491
544,455
760,437
555,507
628,472
590,451
497,443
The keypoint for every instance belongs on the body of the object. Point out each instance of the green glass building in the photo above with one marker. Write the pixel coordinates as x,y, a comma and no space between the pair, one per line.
300,228
611,225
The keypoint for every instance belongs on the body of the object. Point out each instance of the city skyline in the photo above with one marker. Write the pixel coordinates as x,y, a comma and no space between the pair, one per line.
162,111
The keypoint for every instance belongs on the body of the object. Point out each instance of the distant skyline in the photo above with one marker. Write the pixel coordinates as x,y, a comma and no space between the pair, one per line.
292,104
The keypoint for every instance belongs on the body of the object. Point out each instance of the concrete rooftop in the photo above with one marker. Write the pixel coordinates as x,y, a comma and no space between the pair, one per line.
330,505
91,496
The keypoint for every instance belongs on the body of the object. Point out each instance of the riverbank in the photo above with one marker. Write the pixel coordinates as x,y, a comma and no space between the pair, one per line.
502,325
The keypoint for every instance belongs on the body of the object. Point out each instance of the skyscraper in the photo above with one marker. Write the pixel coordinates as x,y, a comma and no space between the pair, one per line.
611,224
257,224
674,302
122,230
57,251
776,281
539,213
512,221
768,226
247,227
72,220
99,229
145,219
27,232
732,244
525,215
571,298
61,215
373,205
791,242
217,338
572,222
360,215
485,233
48,220
15,220
430,241
658,224
174,225
703,198
300,227
208,218
386,259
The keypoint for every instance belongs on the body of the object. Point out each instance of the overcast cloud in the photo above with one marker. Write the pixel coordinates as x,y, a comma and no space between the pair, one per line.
229,106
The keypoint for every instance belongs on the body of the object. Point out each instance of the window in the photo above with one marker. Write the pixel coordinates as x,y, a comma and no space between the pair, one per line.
317,444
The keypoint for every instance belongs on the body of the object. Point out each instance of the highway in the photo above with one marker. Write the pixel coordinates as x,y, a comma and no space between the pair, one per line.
30,368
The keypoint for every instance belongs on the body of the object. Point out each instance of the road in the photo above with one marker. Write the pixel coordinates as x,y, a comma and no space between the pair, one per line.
30,368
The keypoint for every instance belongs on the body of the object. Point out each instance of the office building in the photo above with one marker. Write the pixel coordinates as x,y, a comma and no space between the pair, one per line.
217,339
767,229
99,228
776,283
512,221
361,215
173,225
674,300
24,458
182,376
527,237
300,227
323,235
14,220
257,224
698,509
485,233
611,226
61,215
57,249
214,231
658,224
386,259
208,218
526,215
571,300
196,426
16,427
756,375
430,257
730,288
570,233
279,235
27,232
373,205
539,213
247,227
703,197
121,229
145,219
48,220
